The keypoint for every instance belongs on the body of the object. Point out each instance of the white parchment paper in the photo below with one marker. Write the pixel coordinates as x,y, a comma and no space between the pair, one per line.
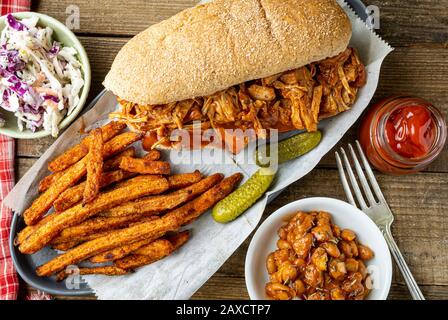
211,244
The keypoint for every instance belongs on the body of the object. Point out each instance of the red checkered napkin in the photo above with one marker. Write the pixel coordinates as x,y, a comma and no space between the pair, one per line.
9,6
9,283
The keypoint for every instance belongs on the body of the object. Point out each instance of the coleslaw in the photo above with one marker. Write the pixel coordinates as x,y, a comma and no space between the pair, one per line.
40,79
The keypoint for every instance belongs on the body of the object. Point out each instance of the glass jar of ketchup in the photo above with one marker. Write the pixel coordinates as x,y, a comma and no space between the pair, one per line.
402,135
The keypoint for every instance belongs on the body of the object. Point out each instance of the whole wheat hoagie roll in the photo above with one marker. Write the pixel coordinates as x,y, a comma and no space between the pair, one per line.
212,47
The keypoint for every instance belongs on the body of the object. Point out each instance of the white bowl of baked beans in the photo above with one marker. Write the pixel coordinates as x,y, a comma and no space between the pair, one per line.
318,249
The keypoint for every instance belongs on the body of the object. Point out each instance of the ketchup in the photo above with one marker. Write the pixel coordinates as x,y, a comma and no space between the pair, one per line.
402,135
410,131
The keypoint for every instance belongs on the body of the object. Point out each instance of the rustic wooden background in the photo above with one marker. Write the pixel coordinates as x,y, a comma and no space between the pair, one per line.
418,29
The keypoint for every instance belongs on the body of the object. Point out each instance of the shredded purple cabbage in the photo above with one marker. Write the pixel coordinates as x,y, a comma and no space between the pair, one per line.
52,98
5,104
13,61
18,86
31,125
55,49
38,100
38,124
13,23
27,108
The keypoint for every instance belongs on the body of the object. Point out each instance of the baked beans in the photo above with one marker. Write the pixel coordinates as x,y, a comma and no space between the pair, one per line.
317,260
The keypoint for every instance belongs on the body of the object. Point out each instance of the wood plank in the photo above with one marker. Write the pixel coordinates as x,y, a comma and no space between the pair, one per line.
402,23
400,292
229,287
412,22
224,287
114,17
21,166
417,71
418,202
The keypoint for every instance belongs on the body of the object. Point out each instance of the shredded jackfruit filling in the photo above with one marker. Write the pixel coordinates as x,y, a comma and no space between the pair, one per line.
295,99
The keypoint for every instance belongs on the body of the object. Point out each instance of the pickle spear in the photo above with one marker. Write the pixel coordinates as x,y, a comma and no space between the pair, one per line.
244,197
290,148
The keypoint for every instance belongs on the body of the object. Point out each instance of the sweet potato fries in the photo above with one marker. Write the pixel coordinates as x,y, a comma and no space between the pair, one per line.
151,230
127,213
144,166
72,175
94,167
77,152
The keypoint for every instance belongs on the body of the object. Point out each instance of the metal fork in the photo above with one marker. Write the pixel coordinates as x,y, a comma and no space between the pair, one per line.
378,211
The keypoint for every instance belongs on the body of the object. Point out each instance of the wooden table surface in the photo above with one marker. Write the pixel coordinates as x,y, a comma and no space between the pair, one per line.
418,29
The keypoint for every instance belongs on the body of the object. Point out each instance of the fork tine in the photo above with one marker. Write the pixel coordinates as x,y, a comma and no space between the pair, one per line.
344,181
362,177
353,181
372,179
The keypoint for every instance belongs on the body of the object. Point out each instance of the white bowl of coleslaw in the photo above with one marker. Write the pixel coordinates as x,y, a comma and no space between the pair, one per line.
44,76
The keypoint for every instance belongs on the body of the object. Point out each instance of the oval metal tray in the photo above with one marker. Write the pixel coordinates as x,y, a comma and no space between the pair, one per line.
27,264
